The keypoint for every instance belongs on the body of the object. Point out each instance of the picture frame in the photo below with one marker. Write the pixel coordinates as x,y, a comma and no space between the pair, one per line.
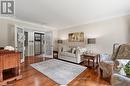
76,37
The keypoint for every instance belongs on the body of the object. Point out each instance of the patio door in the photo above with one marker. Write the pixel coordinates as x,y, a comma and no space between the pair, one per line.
48,44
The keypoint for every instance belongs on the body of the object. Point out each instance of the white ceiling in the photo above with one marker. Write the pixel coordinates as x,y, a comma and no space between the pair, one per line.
66,13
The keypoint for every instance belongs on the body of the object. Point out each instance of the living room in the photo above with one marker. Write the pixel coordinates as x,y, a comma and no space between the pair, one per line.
66,43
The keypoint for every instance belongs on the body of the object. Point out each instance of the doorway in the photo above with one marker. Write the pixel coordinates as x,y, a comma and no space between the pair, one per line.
39,43
26,43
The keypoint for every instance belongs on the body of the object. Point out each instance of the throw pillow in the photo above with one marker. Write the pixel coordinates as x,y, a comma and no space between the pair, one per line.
73,50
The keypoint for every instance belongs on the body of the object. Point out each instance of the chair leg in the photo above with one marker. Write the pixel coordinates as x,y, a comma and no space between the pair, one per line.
101,72
93,63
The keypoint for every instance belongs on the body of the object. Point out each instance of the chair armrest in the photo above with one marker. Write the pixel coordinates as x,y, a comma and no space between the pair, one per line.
107,67
119,80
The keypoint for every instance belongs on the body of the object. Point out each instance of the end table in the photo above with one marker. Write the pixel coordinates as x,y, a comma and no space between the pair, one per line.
92,57
55,54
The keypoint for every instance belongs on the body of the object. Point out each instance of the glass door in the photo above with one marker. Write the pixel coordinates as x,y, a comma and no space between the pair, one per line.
48,44
30,43
19,41
39,43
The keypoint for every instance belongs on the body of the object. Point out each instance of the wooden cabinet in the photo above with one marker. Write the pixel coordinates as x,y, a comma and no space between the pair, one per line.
9,61
1,75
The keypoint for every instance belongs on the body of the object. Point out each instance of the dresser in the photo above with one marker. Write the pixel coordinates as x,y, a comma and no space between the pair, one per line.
9,66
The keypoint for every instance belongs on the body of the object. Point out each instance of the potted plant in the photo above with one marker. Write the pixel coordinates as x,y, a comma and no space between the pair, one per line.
127,69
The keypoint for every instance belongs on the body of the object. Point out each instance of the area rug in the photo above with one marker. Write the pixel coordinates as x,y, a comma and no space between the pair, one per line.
59,71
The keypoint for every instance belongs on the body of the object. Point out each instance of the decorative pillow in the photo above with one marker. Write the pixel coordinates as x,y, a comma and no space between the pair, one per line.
62,49
70,50
74,50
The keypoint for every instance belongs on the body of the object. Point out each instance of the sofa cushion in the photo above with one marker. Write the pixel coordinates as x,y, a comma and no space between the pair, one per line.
68,54
63,54
73,50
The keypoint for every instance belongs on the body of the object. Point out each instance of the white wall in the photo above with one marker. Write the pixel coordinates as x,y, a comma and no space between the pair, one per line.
3,33
107,32
128,29
55,38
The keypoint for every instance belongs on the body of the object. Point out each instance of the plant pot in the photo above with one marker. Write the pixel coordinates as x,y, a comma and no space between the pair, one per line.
128,75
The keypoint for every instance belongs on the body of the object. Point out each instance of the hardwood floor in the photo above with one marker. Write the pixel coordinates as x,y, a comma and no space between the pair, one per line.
32,77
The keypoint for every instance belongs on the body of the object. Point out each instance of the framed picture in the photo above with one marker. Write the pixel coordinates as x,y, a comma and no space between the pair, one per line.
76,37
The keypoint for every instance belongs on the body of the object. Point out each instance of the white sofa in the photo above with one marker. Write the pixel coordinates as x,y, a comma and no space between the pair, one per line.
70,54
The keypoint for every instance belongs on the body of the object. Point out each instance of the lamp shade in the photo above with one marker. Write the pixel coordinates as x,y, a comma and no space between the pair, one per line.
91,40
59,41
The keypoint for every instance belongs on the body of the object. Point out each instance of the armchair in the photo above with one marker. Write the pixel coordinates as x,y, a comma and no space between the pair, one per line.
119,52
107,62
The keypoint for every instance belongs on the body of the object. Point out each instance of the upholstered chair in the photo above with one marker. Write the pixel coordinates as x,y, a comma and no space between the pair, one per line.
120,78
119,52
107,61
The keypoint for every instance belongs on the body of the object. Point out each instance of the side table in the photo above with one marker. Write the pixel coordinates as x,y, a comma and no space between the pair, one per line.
55,54
93,57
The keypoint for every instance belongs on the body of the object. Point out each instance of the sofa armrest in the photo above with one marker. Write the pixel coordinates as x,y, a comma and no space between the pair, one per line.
119,80
78,55
59,50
